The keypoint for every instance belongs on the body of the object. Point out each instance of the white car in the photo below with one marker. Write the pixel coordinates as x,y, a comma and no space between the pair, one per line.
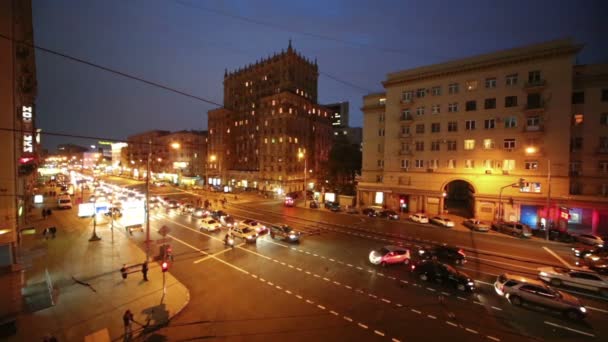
420,218
442,221
247,234
580,278
590,239
210,225
253,225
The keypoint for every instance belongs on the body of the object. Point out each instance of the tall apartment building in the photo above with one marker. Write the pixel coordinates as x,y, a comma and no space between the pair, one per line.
18,142
339,114
492,136
270,114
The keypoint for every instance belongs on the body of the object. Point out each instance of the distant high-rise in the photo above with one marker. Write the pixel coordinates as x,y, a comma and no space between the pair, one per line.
270,114
339,114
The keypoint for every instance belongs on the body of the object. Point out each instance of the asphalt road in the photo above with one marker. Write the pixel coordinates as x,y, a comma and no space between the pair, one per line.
325,288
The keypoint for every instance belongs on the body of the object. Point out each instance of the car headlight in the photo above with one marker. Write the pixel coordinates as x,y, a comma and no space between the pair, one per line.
583,309
595,258
544,274
471,283
292,236
421,252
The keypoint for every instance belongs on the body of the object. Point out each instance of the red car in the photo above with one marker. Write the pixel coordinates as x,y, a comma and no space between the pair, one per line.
390,255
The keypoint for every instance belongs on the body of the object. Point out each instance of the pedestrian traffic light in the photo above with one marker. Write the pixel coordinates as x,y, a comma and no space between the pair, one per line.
165,266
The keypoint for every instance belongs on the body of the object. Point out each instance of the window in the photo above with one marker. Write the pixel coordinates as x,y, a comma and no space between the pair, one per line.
488,144
405,129
434,145
435,127
489,123
420,92
576,144
407,96
452,126
469,125
469,163
470,105
420,128
534,76
453,88
508,144
419,163
436,109
511,80
604,119
451,163
432,164
534,101
510,101
420,110
380,163
381,101
405,163
469,144
603,144
577,119
406,115
508,164
604,95
419,145
380,117
451,145
491,82
510,122
490,103
488,164
603,166
453,107
531,164
381,132
533,123
436,91
471,85
578,97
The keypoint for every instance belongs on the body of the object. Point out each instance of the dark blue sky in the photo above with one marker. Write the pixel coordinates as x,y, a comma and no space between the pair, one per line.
187,44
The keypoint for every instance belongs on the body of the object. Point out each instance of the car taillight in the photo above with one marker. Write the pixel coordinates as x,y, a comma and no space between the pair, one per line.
461,252
413,267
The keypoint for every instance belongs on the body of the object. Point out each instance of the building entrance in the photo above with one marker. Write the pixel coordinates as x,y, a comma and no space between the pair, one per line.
459,198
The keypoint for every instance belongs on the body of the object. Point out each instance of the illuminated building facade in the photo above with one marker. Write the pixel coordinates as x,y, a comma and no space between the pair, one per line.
270,114
495,136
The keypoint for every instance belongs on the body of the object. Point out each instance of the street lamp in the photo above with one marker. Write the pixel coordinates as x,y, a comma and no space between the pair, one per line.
302,155
212,159
95,237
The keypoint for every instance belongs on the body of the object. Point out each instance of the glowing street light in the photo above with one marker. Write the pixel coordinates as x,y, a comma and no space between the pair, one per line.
175,145
302,155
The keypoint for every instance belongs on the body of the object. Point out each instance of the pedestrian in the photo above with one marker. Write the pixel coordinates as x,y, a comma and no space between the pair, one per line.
144,270
48,212
53,231
44,213
123,271
45,233
127,319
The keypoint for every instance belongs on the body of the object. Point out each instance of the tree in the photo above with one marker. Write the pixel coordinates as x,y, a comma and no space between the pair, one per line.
344,164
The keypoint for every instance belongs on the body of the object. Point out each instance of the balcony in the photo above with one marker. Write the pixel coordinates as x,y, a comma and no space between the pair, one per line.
535,107
532,129
408,118
405,152
535,85
405,135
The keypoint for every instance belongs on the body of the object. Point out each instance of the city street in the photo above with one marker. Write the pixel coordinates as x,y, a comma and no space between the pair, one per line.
324,288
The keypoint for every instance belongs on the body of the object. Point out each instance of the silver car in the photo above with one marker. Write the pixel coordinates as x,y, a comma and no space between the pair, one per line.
476,225
519,290
579,278
590,239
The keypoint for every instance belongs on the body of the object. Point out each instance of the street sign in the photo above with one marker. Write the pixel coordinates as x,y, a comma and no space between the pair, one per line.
164,230
164,241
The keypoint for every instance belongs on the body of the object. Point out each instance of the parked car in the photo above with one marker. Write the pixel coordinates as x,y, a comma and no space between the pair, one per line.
284,232
255,225
371,212
289,201
389,214
581,252
442,221
476,225
590,239
519,290
443,253
333,206
247,234
431,270
64,202
200,212
513,228
210,225
313,205
559,235
578,278
390,255
419,217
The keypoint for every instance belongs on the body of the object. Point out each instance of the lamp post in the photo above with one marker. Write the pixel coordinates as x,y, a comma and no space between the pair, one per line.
148,200
95,237
302,155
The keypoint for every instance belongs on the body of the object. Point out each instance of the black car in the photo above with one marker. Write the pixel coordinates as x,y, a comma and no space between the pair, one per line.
443,253
314,204
581,252
333,206
218,214
429,270
389,214
371,212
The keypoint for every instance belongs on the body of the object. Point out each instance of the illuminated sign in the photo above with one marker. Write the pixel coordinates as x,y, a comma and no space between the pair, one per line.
27,115
38,199
28,143
86,209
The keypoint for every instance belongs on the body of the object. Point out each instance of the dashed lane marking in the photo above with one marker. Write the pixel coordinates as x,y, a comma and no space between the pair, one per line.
471,330
386,300
431,316
416,311
320,306
452,323
362,325
496,308
333,312
493,338
569,329
380,333
348,318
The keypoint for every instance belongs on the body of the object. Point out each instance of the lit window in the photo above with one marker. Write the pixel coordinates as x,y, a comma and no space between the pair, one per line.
531,165
488,144
508,164
451,163
469,163
488,164
469,144
471,85
578,119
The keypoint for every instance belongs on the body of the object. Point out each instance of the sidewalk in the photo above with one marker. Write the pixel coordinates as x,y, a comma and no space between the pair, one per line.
88,290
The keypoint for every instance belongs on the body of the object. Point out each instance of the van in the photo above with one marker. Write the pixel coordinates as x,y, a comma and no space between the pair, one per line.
513,228
64,202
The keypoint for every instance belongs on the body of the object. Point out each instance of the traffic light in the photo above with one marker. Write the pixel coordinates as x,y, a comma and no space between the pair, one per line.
521,183
165,266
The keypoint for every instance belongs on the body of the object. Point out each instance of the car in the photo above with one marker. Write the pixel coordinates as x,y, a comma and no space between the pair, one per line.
389,214
595,262
289,201
431,270
558,235
218,214
333,206
519,290
313,205
187,208
581,252
513,228
200,212
114,212
390,255
64,202
285,232
172,204
210,225
476,225
442,221
590,239
228,221
371,212
578,278
245,233
419,217
154,203
443,253
255,225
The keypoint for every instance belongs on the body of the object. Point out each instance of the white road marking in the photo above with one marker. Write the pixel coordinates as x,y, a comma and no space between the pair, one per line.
431,289
395,340
478,303
320,306
349,265
503,263
270,283
278,287
416,311
431,316
372,295
399,305
337,283
299,269
484,282
595,309
309,301
359,268
299,297
333,312
253,275
326,279
348,287
290,266
211,256
330,259
307,272
287,291
362,325
452,323
317,276
446,294
380,274
386,300
471,331
557,257
348,318
404,281
200,251
569,329
493,338
392,278
496,308
378,333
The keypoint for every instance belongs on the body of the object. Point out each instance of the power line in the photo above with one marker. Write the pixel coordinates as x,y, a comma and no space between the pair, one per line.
113,71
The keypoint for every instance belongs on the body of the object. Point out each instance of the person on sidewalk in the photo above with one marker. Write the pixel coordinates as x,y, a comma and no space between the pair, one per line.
43,213
45,233
127,319
144,270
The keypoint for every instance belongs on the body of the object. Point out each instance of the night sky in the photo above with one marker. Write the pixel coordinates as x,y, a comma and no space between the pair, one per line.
187,44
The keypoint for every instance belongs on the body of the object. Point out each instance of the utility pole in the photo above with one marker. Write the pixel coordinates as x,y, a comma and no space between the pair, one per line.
148,200
95,237
305,171
547,211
